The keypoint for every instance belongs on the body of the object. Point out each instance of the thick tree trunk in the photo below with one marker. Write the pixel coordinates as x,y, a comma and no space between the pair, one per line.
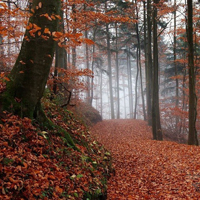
192,137
30,72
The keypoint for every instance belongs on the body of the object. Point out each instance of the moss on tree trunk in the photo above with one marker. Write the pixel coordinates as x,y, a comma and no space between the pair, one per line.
30,72
29,75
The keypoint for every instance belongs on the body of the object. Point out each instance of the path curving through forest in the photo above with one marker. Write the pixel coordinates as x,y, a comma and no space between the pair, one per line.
148,169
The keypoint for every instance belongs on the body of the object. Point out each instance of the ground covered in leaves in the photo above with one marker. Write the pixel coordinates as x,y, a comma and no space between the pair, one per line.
38,163
147,169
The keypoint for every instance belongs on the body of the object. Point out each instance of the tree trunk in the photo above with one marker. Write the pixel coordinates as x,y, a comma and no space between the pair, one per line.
109,69
140,67
60,58
130,92
30,72
192,137
117,72
156,126
74,32
88,92
136,86
175,66
149,67
145,51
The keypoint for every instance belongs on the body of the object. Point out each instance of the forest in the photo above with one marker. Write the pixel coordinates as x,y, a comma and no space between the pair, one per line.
70,68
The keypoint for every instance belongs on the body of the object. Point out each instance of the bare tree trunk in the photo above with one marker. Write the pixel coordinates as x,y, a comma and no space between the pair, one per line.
130,92
117,72
156,125
136,86
140,67
145,51
192,137
175,66
109,69
60,59
88,93
74,32
93,61
149,67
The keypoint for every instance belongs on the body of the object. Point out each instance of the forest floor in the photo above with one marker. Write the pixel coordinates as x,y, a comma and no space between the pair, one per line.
148,169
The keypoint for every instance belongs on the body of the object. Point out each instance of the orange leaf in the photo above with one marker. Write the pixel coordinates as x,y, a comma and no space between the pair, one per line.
12,180
22,62
51,177
40,5
46,31
39,33
58,16
6,78
30,26
88,41
58,189
53,17
57,34
25,165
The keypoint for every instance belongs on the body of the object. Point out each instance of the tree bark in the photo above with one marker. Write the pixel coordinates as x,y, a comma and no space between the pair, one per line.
192,137
156,125
130,89
140,66
109,68
175,66
117,72
136,86
30,72
149,65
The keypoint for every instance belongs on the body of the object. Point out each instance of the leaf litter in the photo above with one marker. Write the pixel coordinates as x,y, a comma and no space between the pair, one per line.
148,169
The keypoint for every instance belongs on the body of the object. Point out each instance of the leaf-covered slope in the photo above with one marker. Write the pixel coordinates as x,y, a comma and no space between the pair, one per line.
147,169
38,164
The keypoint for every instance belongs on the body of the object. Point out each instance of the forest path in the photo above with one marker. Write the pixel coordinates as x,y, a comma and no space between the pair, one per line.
148,169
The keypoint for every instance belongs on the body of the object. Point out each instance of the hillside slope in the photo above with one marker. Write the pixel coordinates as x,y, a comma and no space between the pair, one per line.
44,163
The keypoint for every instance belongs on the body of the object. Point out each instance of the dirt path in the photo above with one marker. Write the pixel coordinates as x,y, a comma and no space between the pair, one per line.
147,169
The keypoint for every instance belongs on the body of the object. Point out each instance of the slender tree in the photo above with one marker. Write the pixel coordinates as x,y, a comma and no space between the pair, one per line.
109,67
139,63
175,66
117,71
156,125
149,64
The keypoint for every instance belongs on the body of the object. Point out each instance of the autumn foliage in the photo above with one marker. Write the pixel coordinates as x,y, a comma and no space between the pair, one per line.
37,163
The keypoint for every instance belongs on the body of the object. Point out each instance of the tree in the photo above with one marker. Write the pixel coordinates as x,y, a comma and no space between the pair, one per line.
30,72
192,137
156,125
109,67
175,65
117,71
149,65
